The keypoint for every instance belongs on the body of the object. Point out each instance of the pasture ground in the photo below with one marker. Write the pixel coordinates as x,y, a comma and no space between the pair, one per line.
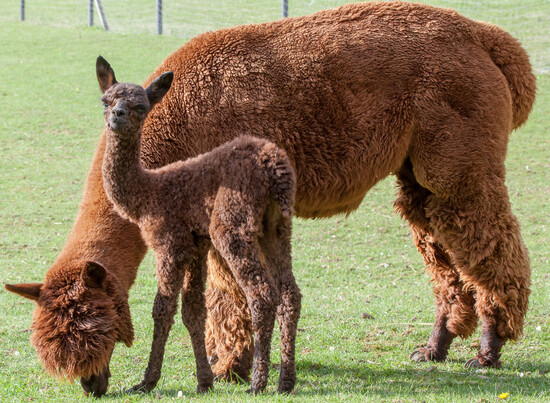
347,268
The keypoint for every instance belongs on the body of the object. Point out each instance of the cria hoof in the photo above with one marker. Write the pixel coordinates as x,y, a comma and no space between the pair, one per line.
473,364
139,388
204,388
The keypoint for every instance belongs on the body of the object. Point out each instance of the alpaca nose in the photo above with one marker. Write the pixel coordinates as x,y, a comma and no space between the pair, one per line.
119,111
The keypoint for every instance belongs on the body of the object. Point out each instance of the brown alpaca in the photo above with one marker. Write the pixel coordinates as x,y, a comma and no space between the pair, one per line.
236,200
352,95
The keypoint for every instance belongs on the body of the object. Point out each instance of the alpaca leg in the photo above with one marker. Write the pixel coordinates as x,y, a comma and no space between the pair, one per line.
276,247
455,304
170,281
242,253
455,311
470,216
487,246
193,312
288,313
229,337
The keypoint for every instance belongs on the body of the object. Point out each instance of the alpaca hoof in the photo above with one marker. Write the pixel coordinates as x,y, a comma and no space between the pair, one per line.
473,364
287,380
142,387
420,355
204,388
285,390
253,391
482,362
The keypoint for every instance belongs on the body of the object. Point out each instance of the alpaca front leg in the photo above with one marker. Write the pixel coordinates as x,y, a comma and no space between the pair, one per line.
166,302
193,312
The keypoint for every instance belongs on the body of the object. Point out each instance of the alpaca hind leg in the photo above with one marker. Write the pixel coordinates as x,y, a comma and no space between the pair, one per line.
469,215
170,280
277,251
288,313
455,311
455,303
487,246
242,253
229,337
193,312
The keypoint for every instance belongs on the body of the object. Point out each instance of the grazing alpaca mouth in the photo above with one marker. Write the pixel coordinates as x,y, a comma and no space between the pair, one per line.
96,385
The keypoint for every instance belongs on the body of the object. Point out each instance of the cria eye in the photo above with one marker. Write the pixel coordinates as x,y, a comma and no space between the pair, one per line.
141,108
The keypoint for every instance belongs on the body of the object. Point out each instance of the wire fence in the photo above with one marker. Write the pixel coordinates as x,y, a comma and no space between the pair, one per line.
527,20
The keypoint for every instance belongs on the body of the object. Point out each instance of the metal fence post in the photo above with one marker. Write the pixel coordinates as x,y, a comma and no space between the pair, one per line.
159,17
101,15
22,10
285,9
90,13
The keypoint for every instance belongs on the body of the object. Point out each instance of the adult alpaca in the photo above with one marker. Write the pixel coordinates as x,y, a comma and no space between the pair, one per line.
352,95
236,200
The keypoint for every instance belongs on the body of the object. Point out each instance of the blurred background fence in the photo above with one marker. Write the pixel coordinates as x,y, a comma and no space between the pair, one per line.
527,20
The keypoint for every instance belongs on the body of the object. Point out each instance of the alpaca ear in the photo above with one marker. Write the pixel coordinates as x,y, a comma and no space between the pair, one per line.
93,275
105,74
159,87
30,291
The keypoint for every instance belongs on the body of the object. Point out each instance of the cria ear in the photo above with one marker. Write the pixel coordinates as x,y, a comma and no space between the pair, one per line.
30,290
94,275
159,87
105,74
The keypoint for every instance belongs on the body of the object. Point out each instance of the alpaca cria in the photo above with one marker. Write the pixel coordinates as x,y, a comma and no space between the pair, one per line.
352,95
236,199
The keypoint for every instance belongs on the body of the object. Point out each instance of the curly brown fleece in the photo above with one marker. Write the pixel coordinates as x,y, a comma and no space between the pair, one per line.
352,95
236,199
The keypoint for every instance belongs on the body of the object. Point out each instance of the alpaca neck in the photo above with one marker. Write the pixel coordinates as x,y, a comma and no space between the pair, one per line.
123,177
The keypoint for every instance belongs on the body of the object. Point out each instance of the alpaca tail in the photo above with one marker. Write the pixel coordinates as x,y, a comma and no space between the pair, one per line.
509,56
281,176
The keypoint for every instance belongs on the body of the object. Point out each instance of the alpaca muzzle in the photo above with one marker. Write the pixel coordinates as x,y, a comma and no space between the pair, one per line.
96,385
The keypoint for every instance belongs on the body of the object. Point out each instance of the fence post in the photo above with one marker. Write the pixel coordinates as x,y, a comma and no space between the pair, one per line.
159,17
101,15
285,8
90,13
22,10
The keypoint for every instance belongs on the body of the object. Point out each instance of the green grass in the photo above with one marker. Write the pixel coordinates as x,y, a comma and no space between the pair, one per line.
528,20
50,120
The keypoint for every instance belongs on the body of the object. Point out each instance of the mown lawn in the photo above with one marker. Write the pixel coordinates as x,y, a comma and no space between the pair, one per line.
50,121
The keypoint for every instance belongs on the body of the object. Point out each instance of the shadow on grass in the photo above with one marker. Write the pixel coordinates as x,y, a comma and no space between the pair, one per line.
316,379
423,378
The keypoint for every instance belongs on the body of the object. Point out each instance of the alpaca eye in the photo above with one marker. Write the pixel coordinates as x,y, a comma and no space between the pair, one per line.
105,105
141,109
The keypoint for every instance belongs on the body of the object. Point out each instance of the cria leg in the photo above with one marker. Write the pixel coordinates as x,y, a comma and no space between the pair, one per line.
170,281
193,312
276,247
233,235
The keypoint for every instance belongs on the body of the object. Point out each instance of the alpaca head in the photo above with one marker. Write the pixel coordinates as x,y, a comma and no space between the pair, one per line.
127,105
81,313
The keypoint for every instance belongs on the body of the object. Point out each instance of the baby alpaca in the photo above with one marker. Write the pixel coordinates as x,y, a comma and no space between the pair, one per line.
237,199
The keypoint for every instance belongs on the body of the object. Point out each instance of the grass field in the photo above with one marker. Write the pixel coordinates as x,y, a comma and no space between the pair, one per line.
50,121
